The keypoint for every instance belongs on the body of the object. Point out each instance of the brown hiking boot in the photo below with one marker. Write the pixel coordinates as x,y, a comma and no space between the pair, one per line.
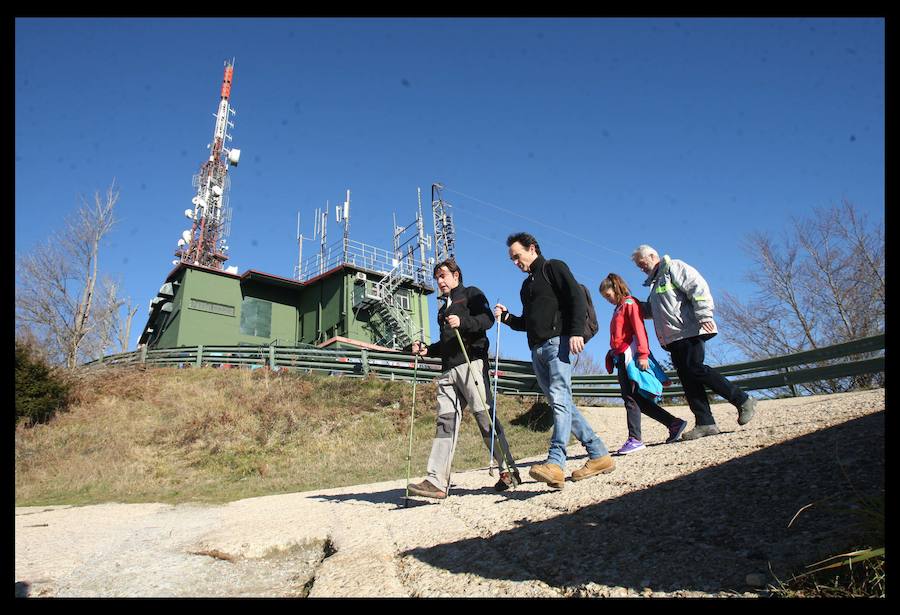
593,467
549,473
426,490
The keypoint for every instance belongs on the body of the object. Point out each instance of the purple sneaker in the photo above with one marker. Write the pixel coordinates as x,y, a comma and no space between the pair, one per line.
676,430
631,445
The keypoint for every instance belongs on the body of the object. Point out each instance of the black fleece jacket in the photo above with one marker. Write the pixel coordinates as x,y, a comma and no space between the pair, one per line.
550,307
475,318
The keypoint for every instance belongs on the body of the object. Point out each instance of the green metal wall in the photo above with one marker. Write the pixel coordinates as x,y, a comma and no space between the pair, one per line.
198,327
308,315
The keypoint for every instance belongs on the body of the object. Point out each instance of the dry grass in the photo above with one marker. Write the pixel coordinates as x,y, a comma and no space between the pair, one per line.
170,435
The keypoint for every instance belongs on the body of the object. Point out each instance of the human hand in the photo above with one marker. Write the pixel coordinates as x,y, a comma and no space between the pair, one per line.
576,344
644,364
419,349
453,321
498,310
709,326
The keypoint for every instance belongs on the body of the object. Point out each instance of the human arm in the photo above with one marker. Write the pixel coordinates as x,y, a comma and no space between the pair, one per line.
516,323
477,317
694,287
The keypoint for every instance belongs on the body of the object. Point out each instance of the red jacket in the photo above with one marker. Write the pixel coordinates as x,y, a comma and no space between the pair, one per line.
627,323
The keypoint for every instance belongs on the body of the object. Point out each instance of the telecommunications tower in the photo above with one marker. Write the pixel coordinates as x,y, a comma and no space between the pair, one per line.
205,242
444,233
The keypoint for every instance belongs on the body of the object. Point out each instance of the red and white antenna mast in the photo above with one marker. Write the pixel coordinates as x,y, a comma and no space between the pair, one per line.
204,244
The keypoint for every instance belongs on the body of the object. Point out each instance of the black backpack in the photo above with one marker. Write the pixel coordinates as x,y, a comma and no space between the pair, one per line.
590,319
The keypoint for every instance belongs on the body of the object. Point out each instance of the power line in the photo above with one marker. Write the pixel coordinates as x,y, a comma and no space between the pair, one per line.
533,221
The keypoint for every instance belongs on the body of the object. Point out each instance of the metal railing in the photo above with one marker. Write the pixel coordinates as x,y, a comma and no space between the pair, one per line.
513,377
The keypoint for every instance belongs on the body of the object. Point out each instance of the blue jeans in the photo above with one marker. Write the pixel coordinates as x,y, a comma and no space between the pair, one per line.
554,375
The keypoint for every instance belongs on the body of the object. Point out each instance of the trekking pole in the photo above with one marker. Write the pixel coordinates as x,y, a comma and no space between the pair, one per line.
469,364
412,418
494,413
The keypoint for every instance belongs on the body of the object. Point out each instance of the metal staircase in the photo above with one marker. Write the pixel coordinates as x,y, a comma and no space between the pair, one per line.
381,301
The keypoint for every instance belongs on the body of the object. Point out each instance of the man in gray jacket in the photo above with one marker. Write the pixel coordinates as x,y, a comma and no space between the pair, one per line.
681,307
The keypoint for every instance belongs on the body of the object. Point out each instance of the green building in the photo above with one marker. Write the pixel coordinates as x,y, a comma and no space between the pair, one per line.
359,299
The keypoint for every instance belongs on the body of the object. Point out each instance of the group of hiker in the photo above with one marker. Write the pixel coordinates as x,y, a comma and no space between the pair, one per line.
555,315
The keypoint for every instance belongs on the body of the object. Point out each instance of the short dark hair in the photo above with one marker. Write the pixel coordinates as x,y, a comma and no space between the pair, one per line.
451,266
525,239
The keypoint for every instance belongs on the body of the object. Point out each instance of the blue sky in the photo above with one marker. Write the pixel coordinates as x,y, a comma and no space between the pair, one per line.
595,135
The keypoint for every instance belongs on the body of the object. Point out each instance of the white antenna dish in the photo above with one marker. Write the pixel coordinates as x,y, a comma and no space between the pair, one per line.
189,214
181,242
234,155
186,236
199,202
174,263
217,190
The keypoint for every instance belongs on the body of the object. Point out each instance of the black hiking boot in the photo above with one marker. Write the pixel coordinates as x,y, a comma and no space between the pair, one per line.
508,480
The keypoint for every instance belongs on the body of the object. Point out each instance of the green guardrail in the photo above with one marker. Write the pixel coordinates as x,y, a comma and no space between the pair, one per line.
513,377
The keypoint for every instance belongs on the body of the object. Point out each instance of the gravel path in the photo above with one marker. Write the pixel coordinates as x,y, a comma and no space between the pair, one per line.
686,519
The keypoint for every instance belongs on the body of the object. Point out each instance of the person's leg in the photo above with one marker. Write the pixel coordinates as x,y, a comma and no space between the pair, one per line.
709,377
683,358
562,421
632,410
654,410
474,388
449,413
560,372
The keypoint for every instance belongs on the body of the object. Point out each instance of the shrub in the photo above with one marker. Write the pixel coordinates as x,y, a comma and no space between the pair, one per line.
41,391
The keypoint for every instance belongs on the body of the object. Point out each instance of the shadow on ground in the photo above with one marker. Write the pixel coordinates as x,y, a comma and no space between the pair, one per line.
702,532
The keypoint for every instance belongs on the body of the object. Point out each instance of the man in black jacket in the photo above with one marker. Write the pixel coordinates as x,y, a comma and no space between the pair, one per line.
463,309
553,314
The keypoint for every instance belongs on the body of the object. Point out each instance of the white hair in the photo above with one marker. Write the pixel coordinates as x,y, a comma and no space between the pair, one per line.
643,250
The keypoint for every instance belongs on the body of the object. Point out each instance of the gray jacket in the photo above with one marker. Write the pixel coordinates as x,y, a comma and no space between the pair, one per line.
679,302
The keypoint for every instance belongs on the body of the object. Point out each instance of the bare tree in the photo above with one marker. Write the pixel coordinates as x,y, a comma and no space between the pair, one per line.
125,328
57,282
822,284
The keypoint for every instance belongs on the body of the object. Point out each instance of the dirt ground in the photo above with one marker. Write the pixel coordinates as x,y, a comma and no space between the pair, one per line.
711,517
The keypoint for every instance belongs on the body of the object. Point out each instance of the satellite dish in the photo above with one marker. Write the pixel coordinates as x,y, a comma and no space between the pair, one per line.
186,236
181,242
199,202
234,155
174,263
217,190
189,214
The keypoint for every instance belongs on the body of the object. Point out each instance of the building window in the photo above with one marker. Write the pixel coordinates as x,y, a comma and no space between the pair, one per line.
209,306
401,300
256,317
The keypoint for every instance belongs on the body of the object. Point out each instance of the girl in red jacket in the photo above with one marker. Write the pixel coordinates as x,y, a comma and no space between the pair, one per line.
628,342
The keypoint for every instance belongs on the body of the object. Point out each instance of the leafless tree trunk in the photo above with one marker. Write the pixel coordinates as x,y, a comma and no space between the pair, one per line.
823,285
57,281
125,327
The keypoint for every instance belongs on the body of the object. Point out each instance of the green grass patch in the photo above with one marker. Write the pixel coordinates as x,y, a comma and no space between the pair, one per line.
206,435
